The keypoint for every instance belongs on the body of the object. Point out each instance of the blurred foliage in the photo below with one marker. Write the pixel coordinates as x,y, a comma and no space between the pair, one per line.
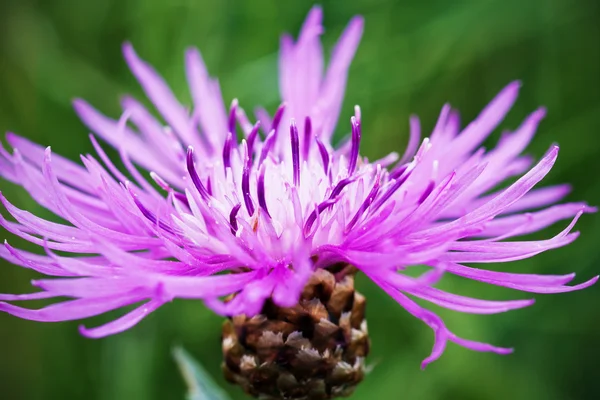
415,56
199,382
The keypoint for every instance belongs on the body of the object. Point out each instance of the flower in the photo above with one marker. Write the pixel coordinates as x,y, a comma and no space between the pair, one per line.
257,218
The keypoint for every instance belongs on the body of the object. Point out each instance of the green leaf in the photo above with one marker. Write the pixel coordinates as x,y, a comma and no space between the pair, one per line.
200,384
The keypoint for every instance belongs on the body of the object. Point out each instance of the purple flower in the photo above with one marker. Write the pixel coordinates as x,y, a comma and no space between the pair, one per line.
217,215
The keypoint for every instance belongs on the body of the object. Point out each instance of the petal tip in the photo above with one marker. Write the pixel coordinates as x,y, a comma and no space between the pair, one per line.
11,136
515,85
82,108
592,281
192,51
315,12
505,350
427,361
86,332
127,49
357,22
540,113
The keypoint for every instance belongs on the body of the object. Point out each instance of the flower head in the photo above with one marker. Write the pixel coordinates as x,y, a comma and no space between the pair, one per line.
257,213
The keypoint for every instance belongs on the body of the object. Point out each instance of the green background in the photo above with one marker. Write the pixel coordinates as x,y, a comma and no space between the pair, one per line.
415,55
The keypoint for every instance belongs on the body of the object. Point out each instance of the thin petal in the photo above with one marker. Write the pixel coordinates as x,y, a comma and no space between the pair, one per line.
121,324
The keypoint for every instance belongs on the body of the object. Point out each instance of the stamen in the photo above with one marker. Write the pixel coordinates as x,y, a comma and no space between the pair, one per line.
431,184
358,113
246,182
252,139
295,151
208,186
324,155
233,219
227,151
318,210
340,186
356,133
399,182
368,200
307,137
148,214
194,175
398,171
262,201
427,192
267,145
181,197
160,181
277,117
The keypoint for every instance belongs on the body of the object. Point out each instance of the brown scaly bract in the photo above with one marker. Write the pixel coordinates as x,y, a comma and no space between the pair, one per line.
312,351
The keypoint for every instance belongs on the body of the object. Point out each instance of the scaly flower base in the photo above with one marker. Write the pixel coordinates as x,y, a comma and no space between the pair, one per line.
314,350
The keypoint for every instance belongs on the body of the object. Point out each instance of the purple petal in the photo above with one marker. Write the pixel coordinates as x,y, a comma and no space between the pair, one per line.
121,324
